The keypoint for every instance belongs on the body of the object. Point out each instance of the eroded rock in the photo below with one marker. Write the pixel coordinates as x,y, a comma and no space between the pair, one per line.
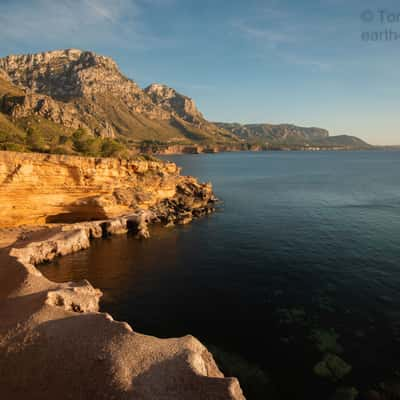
59,189
54,343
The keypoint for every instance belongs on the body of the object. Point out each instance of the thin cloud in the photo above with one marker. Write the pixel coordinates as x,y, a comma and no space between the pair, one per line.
315,64
268,36
76,23
107,11
278,33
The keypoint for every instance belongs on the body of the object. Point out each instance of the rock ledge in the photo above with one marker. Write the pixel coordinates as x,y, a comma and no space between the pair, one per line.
54,342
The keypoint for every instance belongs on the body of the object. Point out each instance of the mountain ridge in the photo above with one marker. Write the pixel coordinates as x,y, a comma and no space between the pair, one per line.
60,92
289,134
93,93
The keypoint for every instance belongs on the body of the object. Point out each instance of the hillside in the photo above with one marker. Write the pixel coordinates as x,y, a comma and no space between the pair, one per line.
78,102
290,135
76,89
342,140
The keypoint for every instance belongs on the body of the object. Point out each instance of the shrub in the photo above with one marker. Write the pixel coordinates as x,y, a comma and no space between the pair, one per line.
12,147
35,140
111,148
85,143
63,139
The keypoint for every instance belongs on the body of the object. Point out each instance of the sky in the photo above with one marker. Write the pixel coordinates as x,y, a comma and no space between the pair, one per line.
327,63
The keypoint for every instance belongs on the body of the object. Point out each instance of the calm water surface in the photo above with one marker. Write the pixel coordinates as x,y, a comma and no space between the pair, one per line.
302,258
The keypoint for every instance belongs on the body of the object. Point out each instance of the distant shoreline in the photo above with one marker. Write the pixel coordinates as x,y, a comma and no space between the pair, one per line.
173,150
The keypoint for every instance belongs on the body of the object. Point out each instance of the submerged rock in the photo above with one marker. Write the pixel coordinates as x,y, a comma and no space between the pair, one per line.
332,367
326,341
345,393
254,380
291,316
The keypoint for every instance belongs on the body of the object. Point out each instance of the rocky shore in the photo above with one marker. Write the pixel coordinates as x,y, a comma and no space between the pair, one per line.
54,342
65,189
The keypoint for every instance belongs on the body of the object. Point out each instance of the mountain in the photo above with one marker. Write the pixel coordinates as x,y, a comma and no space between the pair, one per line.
274,133
290,135
342,140
73,101
79,89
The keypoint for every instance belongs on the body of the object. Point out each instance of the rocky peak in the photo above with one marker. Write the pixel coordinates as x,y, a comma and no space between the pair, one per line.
160,91
66,74
81,89
169,99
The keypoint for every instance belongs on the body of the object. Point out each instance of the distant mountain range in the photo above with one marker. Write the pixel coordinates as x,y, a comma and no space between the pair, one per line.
286,134
47,97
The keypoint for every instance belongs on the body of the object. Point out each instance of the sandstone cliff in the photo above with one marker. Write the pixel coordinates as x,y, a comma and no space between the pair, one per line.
54,342
53,188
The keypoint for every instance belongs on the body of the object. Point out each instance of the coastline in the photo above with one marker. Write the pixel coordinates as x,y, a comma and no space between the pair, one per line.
57,329
54,340
212,149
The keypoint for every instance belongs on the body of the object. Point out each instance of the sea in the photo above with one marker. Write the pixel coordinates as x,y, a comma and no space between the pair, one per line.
300,262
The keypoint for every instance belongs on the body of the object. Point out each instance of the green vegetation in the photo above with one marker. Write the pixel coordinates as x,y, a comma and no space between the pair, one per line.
95,146
112,148
33,135
146,157
35,140
85,143
11,137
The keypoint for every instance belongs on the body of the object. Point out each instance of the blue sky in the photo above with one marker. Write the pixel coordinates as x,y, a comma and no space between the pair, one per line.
302,62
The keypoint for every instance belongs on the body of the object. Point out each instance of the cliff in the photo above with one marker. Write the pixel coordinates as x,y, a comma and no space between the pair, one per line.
81,89
54,342
54,188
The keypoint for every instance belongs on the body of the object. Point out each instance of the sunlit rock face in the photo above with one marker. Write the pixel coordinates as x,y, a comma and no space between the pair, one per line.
67,74
81,89
174,102
40,188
